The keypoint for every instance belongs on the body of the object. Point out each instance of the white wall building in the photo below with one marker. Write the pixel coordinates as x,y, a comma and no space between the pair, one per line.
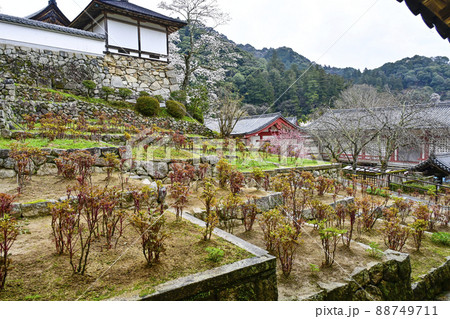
104,26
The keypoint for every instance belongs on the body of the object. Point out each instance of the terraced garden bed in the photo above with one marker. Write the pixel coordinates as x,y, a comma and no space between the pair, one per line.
40,274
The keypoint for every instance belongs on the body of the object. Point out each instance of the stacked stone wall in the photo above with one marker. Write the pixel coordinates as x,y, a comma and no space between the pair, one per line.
47,166
63,70
7,95
388,280
72,109
252,279
436,281
18,99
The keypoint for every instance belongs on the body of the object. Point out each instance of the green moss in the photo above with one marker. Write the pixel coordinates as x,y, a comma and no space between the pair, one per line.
441,239
430,256
58,143
189,119
33,297
202,296
36,201
271,161
162,153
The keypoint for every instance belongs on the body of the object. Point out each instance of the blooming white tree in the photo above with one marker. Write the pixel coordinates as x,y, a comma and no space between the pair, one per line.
191,61
210,67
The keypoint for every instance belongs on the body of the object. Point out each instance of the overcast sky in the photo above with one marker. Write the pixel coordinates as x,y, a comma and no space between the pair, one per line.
356,33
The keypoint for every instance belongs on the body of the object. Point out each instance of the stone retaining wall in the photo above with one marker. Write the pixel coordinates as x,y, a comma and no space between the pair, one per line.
63,70
48,166
7,89
328,168
19,100
253,279
264,204
345,201
159,169
389,280
72,109
7,94
432,284
114,139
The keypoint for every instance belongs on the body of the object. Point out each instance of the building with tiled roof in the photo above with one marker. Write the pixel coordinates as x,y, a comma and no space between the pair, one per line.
436,165
129,28
428,124
50,14
258,128
123,27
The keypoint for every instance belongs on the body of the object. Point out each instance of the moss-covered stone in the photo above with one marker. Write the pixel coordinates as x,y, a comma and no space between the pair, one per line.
369,293
375,272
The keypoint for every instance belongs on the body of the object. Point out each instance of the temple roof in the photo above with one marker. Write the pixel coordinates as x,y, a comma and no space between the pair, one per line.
50,14
96,7
436,165
292,119
250,125
421,117
435,14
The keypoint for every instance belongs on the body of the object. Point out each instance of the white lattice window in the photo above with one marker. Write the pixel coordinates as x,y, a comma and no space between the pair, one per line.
442,146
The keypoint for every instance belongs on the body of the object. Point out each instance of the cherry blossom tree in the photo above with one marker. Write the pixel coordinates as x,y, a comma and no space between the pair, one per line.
289,143
201,16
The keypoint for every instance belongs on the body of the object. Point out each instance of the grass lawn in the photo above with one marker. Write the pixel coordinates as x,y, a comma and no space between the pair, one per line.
57,143
271,161
162,153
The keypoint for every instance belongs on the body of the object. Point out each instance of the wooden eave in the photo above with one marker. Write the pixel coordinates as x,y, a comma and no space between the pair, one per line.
95,8
435,14
432,166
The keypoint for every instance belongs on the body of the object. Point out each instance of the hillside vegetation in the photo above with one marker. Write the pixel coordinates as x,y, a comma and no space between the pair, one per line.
282,80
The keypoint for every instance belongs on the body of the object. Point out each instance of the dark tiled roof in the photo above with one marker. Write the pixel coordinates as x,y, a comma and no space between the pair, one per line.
438,165
50,14
435,14
292,119
422,116
134,8
248,125
48,26
95,8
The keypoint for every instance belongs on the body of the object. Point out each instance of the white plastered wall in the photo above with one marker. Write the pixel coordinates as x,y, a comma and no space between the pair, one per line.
122,35
42,38
125,35
153,41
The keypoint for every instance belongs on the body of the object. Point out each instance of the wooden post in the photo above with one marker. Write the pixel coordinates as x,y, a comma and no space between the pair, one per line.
139,38
167,44
106,31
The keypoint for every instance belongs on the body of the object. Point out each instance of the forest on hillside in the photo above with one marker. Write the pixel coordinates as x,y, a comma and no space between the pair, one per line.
428,75
281,80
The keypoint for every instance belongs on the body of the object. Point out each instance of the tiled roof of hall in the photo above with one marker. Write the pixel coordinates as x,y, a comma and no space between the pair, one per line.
250,124
436,164
50,14
422,116
124,7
